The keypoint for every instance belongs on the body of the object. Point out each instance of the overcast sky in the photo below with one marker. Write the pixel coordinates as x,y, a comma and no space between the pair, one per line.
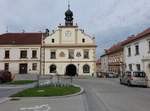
108,20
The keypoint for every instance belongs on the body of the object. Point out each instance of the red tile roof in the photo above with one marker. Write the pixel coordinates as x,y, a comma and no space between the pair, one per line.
115,48
21,38
98,61
137,37
119,46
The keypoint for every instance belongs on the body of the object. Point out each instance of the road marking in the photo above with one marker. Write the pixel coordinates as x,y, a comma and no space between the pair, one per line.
3,99
44,107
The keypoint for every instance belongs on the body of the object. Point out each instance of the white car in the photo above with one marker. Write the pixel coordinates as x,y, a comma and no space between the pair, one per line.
138,78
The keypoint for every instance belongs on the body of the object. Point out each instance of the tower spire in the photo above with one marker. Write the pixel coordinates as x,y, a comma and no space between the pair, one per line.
69,16
68,4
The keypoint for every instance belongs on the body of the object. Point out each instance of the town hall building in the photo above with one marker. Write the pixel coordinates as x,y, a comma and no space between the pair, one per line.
67,50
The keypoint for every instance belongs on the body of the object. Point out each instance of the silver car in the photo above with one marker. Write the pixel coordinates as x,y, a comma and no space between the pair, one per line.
138,78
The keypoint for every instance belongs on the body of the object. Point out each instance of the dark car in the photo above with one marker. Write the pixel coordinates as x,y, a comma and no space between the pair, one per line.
5,76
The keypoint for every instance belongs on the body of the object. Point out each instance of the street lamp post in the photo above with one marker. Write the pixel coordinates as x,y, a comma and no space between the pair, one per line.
78,55
78,69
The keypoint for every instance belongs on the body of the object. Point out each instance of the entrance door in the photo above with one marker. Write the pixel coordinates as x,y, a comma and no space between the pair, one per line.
23,68
71,70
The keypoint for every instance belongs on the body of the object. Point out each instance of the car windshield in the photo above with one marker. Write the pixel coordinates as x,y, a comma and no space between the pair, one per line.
139,74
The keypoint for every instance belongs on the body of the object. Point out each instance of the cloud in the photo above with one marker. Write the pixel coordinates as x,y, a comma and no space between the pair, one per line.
108,20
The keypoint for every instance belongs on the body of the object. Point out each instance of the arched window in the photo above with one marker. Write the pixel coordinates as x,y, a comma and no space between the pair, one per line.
86,68
83,40
53,68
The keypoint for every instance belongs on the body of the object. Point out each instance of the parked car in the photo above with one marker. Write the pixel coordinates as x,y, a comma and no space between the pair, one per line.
111,75
138,78
5,76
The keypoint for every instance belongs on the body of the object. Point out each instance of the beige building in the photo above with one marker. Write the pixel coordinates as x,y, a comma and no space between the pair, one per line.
66,50
20,52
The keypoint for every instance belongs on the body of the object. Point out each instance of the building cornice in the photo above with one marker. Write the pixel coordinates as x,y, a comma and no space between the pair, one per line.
20,45
22,61
67,61
69,45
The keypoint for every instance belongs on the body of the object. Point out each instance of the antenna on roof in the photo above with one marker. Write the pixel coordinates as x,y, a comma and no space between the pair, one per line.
7,29
68,4
23,31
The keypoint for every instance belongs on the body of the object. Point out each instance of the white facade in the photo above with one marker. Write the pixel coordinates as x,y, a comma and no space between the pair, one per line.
139,61
14,60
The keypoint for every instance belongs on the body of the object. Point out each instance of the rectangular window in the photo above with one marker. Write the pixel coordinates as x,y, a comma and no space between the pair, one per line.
53,40
129,51
137,50
53,55
130,67
6,54
23,54
83,40
34,54
86,54
6,66
138,67
71,54
149,47
34,66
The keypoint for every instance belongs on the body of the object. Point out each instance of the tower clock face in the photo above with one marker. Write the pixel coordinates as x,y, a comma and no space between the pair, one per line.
67,34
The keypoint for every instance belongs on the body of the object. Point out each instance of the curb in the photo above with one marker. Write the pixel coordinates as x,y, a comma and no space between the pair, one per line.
4,99
17,86
54,97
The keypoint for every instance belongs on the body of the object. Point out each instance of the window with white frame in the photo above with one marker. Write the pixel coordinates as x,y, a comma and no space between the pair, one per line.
53,55
86,54
23,54
52,68
138,67
7,54
129,51
136,49
71,54
34,66
6,66
130,67
86,68
148,46
34,53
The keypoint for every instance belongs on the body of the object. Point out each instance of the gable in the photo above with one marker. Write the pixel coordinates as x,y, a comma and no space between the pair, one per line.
68,35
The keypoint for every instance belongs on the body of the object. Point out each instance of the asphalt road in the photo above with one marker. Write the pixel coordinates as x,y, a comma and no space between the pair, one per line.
109,95
100,95
7,90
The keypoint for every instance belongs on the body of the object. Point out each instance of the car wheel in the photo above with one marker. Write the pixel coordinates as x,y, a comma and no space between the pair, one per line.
120,81
146,86
129,83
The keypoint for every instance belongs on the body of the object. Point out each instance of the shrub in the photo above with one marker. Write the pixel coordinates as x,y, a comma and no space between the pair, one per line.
6,76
